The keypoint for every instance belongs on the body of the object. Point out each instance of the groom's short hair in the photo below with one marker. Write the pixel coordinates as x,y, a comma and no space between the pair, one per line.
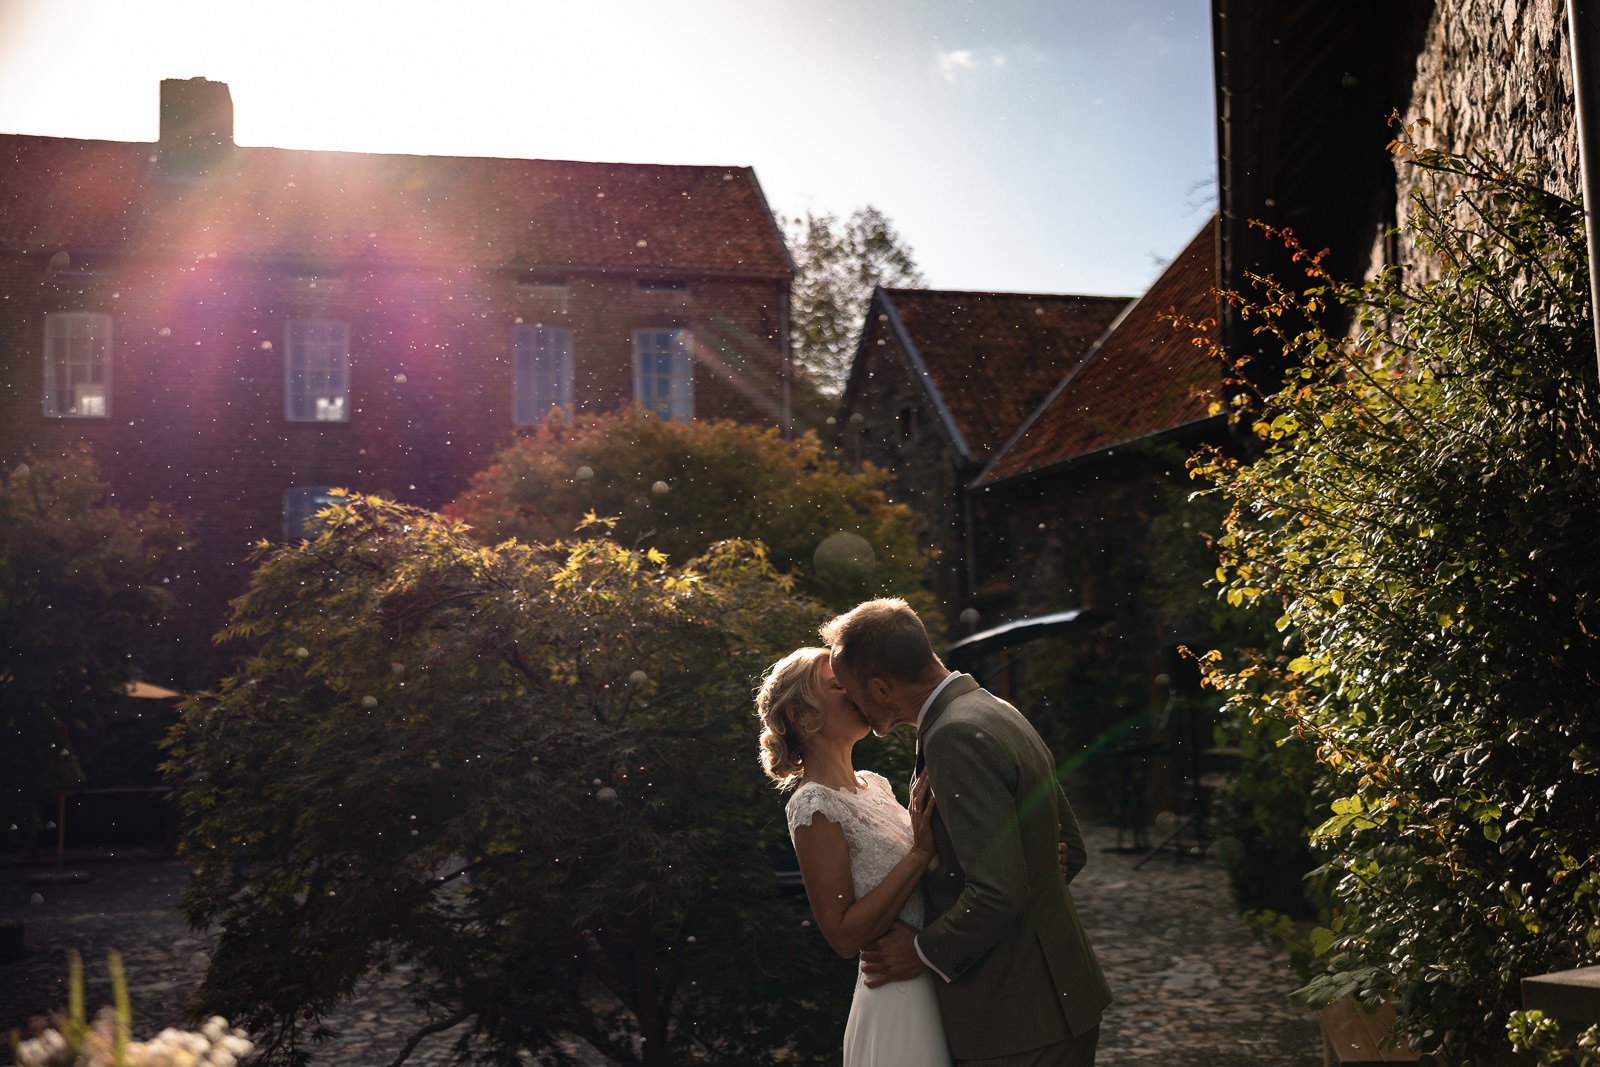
881,639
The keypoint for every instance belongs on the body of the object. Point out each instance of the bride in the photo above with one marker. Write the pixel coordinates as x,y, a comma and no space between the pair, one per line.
861,854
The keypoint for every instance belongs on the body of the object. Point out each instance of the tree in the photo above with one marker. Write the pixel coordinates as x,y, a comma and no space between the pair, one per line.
682,487
1424,516
77,582
837,265
528,771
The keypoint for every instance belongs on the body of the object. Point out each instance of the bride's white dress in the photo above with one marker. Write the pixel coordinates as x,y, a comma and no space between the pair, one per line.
896,1025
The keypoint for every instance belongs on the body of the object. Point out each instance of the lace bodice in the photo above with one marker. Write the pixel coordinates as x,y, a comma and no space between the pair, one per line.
877,830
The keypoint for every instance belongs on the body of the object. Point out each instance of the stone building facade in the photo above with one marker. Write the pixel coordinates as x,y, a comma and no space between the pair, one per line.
941,379
1495,78
234,331
1305,95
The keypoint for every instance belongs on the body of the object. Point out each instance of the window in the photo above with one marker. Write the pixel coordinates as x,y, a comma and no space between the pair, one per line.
77,365
662,375
316,371
300,507
541,372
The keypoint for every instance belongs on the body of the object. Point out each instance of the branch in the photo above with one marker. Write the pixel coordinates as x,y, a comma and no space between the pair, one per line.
431,1028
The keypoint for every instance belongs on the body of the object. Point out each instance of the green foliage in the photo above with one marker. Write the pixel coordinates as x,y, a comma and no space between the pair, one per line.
77,581
1425,514
680,487
1264,817
528,771
1553,1041
837,265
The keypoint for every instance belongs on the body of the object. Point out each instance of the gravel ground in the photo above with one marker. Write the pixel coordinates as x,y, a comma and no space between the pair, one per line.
1192,987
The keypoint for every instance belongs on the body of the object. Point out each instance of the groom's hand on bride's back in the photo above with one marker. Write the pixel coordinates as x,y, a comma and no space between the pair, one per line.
892,957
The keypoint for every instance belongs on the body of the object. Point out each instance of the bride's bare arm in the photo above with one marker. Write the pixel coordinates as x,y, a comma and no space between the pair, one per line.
848,923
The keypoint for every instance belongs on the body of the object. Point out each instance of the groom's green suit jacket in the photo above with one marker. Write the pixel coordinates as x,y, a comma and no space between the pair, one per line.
1018,971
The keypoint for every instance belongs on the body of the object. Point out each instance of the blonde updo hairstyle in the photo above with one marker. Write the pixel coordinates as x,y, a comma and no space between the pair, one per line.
789,688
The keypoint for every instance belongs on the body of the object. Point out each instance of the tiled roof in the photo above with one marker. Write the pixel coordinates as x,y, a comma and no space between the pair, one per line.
993,357
108,196
1145,377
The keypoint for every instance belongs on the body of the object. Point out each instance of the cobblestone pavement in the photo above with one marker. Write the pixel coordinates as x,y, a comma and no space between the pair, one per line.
1192,988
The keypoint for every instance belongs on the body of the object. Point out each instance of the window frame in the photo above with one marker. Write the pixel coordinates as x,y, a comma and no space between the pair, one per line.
531,343
300,504
678,402
64,329
334,372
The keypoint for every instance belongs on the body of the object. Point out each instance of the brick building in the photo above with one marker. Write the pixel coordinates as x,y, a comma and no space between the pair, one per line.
940,381
236,330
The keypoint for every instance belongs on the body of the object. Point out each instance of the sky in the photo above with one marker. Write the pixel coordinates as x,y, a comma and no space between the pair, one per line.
1059,146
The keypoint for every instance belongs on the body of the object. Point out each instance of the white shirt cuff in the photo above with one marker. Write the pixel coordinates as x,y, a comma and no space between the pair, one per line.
918,946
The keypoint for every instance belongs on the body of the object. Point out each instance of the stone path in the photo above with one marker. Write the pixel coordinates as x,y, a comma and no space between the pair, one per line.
1192,988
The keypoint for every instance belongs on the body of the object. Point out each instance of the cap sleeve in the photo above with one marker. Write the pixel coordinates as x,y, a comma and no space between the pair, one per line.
810,799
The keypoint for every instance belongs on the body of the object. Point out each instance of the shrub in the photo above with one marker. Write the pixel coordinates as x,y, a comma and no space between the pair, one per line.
1426,512
682,487
528,771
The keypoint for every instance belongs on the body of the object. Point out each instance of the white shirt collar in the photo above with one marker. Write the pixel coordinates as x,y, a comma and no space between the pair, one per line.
926,704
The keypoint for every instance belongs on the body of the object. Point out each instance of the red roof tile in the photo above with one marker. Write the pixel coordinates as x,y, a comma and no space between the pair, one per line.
108,196
1145,377
993,357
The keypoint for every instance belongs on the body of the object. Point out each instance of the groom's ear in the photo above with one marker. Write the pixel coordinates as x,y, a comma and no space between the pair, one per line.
879,688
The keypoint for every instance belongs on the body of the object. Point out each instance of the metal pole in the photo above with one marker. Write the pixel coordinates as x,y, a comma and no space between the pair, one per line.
1582,28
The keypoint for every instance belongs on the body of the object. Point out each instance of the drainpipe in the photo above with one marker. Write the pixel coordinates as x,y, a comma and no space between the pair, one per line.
1583,26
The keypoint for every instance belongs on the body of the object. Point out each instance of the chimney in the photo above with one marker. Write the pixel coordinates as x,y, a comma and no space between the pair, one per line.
196,125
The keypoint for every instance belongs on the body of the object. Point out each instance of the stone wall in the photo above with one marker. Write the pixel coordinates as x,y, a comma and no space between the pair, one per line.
891,425
1495,76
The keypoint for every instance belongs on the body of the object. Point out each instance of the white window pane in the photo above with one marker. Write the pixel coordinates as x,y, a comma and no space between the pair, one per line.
663,372
541,372
77,372
316,371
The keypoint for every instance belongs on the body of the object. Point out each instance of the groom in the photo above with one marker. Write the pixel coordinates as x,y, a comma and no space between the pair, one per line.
1020,985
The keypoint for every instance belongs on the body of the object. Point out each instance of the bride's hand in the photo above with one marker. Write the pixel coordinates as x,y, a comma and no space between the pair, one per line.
922,814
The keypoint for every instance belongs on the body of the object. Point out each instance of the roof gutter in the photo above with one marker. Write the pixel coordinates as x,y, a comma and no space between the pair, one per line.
1197,426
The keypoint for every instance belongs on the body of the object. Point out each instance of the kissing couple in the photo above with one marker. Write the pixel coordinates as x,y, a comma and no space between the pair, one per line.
971,950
